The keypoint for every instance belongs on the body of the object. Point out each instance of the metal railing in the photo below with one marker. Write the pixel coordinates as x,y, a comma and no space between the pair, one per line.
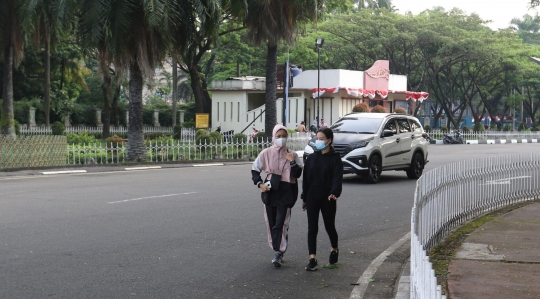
489,135
177,150
448,196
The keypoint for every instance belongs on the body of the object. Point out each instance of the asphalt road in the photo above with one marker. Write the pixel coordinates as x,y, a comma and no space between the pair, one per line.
193,233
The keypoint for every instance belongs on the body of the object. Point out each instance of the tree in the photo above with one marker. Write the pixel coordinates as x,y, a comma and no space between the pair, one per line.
270,22
50,18
12,45
200,35
136,33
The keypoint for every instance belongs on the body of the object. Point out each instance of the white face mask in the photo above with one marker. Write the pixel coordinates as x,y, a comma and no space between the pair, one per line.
281,142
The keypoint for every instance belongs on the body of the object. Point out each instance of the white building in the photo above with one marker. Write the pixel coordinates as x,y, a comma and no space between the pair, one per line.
238,103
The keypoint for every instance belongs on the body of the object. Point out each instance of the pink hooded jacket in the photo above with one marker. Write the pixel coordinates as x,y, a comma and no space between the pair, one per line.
272,160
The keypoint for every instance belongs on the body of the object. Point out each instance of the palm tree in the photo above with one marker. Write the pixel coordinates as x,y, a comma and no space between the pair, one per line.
12,45
136,34
270,22
50,18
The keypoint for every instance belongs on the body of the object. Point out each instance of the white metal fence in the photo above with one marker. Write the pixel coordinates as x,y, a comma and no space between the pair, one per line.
448,196
177,150
489,135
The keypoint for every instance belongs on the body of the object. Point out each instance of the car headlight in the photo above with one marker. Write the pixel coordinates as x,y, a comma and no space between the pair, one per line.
356,145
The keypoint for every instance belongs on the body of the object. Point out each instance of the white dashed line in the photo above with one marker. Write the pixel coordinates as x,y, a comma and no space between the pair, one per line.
149,197
143,168
203,165
63,171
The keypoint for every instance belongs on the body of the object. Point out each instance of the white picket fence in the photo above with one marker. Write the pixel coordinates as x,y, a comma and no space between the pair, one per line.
448,196
177,150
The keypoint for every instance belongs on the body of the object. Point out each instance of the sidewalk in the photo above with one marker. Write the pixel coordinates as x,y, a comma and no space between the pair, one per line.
501,259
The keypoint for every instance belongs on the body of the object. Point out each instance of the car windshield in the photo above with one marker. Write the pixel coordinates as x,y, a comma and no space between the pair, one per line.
357,125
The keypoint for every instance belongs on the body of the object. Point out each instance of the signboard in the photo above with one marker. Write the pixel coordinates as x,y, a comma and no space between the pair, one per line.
202,120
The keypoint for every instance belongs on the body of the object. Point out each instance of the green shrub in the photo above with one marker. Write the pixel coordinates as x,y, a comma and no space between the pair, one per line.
115,141
465,129
261,136
216,136
177,132
507,128
200,132
522,126
479,127
427,128
189,124
81,138
58,128
239,138
291,131
161,139
204,139
400,110
493,126
378,109
535,128
444,129
361,107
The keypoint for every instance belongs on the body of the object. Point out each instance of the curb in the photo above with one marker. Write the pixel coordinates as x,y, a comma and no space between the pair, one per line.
76,169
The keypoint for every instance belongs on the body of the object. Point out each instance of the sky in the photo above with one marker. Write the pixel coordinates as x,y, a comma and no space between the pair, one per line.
500,12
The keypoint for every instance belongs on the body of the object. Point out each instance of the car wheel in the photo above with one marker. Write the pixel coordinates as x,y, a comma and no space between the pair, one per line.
417,167
373,173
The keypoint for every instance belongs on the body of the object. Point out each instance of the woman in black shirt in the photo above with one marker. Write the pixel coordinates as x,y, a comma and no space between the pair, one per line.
323,175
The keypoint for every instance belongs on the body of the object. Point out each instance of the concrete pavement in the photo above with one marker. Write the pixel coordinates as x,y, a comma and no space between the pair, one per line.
499,260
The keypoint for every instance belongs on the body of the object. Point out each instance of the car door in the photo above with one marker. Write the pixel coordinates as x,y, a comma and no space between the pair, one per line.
406,137
390,147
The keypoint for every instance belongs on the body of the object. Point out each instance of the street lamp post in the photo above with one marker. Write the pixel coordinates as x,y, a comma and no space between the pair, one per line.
319,43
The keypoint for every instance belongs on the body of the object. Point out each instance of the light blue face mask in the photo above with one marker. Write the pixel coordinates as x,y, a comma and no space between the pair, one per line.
320,144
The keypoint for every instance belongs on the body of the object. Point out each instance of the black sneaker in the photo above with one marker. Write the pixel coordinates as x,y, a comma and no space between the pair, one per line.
333,257
276,261
312,266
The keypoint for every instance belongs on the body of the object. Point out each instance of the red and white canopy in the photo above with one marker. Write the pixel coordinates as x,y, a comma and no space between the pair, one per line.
360,92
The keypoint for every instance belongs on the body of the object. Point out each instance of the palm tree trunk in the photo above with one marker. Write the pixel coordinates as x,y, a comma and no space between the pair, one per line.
174,89
136,149
116,97
106,87
271,86
47,96
198,93
6,119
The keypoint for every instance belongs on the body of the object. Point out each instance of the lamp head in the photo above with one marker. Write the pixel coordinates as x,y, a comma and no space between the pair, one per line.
319,42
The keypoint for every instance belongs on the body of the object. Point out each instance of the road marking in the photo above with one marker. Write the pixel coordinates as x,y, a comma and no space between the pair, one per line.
363,282
143,168
203,165
63,172
505,181
149,197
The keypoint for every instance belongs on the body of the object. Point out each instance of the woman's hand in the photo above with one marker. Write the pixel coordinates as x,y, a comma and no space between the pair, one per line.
264,188
332,196
304,206
289,157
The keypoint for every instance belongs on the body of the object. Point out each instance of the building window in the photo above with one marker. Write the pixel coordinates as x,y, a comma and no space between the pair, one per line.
224,111
231,110
373,103
238,111
218,111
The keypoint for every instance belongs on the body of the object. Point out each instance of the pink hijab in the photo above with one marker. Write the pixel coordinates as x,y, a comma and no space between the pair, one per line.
274,161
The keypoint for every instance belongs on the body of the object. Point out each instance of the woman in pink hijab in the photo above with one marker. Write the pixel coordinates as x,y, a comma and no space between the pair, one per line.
279,188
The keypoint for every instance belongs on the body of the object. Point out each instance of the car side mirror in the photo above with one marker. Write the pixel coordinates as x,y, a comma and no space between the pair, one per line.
387,133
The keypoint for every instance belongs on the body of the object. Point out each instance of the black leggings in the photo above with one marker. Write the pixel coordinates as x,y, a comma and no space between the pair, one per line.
328,210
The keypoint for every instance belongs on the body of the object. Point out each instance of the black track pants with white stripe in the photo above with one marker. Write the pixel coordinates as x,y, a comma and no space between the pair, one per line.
277,226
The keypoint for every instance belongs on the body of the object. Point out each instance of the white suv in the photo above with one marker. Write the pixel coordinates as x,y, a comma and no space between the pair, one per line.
372,142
